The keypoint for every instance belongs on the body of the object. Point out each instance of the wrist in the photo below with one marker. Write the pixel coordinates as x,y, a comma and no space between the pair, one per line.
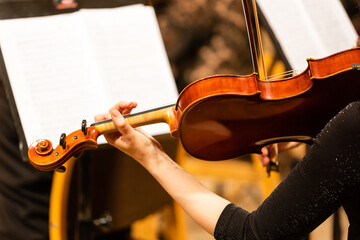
155,162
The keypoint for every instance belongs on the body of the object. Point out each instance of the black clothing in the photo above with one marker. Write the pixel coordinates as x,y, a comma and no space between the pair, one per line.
328,177
24,191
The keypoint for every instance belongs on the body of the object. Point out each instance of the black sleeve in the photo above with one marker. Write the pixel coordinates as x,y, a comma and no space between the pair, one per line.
326,178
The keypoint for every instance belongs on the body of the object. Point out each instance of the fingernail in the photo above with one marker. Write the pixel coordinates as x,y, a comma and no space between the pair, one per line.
115,113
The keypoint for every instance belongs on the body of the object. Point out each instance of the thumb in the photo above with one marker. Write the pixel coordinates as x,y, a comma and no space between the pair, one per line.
120,123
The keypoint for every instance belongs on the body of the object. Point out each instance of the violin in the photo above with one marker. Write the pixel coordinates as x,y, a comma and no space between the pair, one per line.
218,117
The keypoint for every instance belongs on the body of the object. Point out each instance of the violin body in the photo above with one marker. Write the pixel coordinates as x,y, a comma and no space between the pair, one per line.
227,116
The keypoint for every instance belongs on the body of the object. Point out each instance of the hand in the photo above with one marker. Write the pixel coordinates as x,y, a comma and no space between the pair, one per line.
266,152
185,189
134,142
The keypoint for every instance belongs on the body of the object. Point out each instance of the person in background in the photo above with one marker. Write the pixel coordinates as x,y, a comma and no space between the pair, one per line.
24,191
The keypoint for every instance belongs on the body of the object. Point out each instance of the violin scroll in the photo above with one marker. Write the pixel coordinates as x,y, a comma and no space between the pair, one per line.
43,157
43,147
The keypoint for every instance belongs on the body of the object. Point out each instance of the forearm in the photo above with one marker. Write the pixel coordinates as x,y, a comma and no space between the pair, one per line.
202,205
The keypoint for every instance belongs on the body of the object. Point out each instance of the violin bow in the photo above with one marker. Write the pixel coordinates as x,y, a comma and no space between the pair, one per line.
258,62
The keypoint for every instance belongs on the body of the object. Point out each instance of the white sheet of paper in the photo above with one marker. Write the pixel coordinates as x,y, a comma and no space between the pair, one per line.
309,28
69,67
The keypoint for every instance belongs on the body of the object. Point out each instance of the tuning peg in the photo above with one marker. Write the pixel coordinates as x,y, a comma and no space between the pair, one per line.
83,127
62,141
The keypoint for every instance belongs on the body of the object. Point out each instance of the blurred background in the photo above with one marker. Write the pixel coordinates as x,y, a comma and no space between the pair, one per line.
205,37
202,38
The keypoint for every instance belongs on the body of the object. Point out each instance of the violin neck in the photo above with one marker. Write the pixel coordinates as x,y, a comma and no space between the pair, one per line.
159,115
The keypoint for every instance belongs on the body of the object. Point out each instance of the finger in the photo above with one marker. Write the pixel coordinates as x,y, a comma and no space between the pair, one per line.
120,123
124,107
102,117
265,151
264,156
265,161
129,109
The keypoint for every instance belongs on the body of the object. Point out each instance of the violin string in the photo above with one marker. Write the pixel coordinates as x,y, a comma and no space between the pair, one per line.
286,74
283,73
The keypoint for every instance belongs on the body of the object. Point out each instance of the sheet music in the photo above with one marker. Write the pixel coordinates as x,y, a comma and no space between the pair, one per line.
63,70
119,60
134,68
332,24
309,28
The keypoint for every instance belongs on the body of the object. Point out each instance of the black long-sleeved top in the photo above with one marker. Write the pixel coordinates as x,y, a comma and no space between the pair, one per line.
328,177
